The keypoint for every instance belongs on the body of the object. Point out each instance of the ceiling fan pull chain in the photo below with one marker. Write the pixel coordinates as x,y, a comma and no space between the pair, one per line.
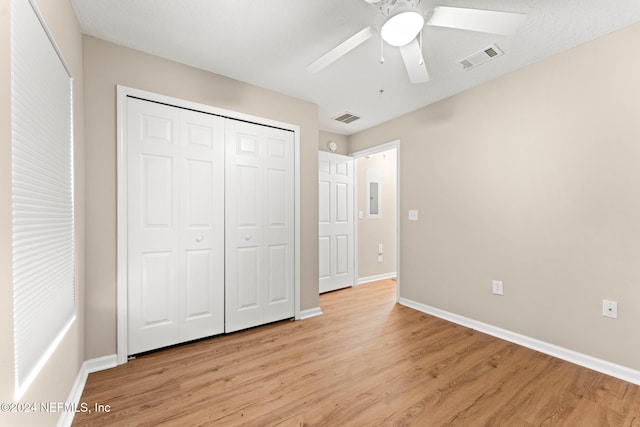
421,61
381,51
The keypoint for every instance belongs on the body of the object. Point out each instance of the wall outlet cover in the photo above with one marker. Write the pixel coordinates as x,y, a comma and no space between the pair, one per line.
610,309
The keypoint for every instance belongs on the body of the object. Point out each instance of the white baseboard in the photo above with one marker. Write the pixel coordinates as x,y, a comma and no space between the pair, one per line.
89,366
603,366
369,279
101,363
312,312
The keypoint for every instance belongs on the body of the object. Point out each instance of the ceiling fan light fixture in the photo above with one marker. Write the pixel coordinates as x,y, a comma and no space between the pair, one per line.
401,29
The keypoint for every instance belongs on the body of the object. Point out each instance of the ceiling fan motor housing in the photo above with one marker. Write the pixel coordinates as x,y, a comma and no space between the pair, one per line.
392,7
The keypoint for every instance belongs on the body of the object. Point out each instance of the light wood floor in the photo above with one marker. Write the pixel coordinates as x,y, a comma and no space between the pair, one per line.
366,362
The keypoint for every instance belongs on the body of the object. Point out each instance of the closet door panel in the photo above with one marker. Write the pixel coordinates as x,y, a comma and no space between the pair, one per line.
175,177
259,222
243,226
279,225
154,232
202,224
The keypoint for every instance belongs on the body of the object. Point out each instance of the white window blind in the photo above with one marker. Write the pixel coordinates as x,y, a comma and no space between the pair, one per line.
42,184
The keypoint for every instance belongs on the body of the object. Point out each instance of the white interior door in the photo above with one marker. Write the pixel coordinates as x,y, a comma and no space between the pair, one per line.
202,224
259,285
336,226
175,248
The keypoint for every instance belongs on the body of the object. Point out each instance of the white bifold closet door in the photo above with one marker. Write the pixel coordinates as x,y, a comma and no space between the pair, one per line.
175,175
336,226
259,225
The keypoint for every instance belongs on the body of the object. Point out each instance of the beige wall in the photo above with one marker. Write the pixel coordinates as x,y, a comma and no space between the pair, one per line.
107,65
532,179
342,142
56,379
372,231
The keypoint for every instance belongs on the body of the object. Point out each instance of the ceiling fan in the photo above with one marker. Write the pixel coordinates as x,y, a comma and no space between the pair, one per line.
403,29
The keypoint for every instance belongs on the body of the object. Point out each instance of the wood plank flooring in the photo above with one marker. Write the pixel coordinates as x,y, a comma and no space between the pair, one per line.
366,362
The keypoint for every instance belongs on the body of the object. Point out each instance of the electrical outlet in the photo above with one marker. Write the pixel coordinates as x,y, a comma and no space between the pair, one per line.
610,309
498,288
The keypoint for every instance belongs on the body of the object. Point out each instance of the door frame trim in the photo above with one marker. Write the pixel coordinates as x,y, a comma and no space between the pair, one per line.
366,152
123,92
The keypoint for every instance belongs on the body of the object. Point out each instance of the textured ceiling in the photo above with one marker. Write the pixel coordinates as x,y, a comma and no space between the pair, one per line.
269,44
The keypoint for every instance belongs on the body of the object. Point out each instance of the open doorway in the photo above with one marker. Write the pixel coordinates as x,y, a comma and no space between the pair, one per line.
359,208
377,205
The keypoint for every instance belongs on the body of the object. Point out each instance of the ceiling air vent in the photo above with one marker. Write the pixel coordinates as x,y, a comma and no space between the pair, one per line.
481,57
346,118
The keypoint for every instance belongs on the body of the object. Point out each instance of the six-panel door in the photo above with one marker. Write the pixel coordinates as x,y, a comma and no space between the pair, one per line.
335,229
259,225
204,259
176,225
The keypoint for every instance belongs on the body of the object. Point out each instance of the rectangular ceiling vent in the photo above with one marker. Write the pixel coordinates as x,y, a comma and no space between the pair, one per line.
481,57
346,118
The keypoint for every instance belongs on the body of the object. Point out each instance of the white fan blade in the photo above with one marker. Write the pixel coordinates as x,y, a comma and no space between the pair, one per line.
340,50
414,61
485,21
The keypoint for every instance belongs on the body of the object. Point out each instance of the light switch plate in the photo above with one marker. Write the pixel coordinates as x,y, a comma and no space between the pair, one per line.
413,215
497,287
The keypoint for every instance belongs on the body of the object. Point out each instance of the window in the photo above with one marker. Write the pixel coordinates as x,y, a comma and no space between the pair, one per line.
42,190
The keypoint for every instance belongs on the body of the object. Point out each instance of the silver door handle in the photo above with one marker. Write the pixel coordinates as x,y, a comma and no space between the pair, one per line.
199,238
247,237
